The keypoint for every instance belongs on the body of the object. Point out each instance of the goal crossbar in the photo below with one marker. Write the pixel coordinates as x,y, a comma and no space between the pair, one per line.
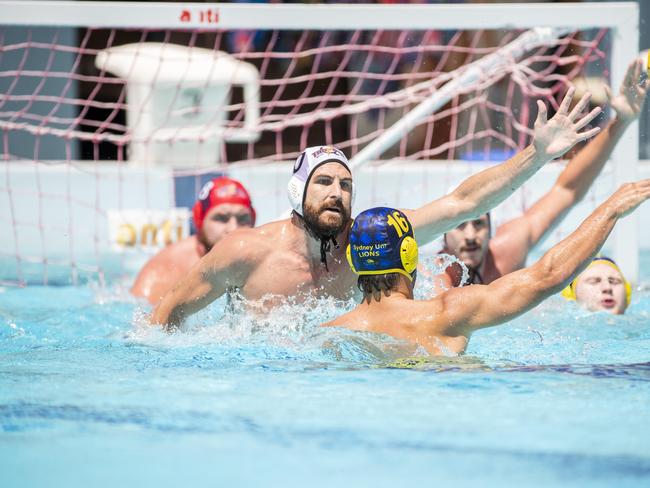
334,16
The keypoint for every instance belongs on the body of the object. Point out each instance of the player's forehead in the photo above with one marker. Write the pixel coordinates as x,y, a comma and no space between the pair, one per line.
332,170
603,271
483,219
228,209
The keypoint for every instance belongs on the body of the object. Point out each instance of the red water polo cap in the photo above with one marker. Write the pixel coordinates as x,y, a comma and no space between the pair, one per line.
217,191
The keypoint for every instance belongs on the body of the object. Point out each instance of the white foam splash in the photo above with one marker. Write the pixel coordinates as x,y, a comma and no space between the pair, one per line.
291,326
289,323
428,284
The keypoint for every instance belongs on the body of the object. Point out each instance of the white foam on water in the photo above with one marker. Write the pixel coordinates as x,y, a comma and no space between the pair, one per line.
428,284
292,326
287,323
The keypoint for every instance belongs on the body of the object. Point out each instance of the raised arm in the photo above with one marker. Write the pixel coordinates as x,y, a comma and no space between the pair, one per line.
226,266
573,183
483,191
478,306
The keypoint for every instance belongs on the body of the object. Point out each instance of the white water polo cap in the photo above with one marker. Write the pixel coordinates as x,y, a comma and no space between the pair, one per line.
304,167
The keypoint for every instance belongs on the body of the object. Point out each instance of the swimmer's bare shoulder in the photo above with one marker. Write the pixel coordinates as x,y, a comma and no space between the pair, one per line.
165,269
235,256
250,247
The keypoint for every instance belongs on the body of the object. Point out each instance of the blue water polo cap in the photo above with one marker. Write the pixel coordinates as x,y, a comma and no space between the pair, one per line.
382,241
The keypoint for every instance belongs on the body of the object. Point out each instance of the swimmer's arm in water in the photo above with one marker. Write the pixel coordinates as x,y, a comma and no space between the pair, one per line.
485,190
226,266
573,183
474,307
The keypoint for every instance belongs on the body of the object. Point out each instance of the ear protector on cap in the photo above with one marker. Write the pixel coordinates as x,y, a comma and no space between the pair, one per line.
409,254
348,255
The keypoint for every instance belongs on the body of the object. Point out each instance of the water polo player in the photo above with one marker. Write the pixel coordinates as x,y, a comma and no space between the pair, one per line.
223,205
601,287
304,255
490,254
383,254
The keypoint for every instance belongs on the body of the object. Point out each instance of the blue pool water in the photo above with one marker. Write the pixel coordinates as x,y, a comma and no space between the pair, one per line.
88,397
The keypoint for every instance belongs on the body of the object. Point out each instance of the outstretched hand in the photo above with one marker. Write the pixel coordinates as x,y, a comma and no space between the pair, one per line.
629,101
629,196
552,138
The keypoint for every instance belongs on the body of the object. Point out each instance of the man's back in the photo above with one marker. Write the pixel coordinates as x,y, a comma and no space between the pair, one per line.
420,322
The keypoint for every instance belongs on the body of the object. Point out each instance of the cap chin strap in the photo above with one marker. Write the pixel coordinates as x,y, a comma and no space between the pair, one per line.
326,240
325,246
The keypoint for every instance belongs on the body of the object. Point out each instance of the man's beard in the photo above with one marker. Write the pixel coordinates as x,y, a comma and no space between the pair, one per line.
326,229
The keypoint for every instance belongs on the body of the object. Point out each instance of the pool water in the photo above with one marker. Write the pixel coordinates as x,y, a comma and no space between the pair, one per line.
90,397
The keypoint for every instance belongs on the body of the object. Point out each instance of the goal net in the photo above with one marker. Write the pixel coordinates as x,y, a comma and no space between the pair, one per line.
113,116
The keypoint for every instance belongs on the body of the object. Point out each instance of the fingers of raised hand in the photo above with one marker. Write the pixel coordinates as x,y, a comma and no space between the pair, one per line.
640,91
633,80
541,113
638,191
630,74
566,103
636,76
644,184
583,136
643,190
587,118
608,93
580,106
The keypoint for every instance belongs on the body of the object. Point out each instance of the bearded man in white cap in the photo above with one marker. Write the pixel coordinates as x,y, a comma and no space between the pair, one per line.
305,254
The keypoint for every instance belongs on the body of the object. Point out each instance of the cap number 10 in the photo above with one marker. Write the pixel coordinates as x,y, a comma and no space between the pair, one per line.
399,223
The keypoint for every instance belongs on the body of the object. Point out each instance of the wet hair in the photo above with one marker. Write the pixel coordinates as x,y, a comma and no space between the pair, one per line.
373,286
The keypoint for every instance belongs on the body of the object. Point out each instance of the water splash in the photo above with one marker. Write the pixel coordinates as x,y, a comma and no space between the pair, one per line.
428,284
292,328
290,323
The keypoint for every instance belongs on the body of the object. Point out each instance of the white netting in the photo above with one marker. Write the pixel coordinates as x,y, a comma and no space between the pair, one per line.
85,132
342,88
